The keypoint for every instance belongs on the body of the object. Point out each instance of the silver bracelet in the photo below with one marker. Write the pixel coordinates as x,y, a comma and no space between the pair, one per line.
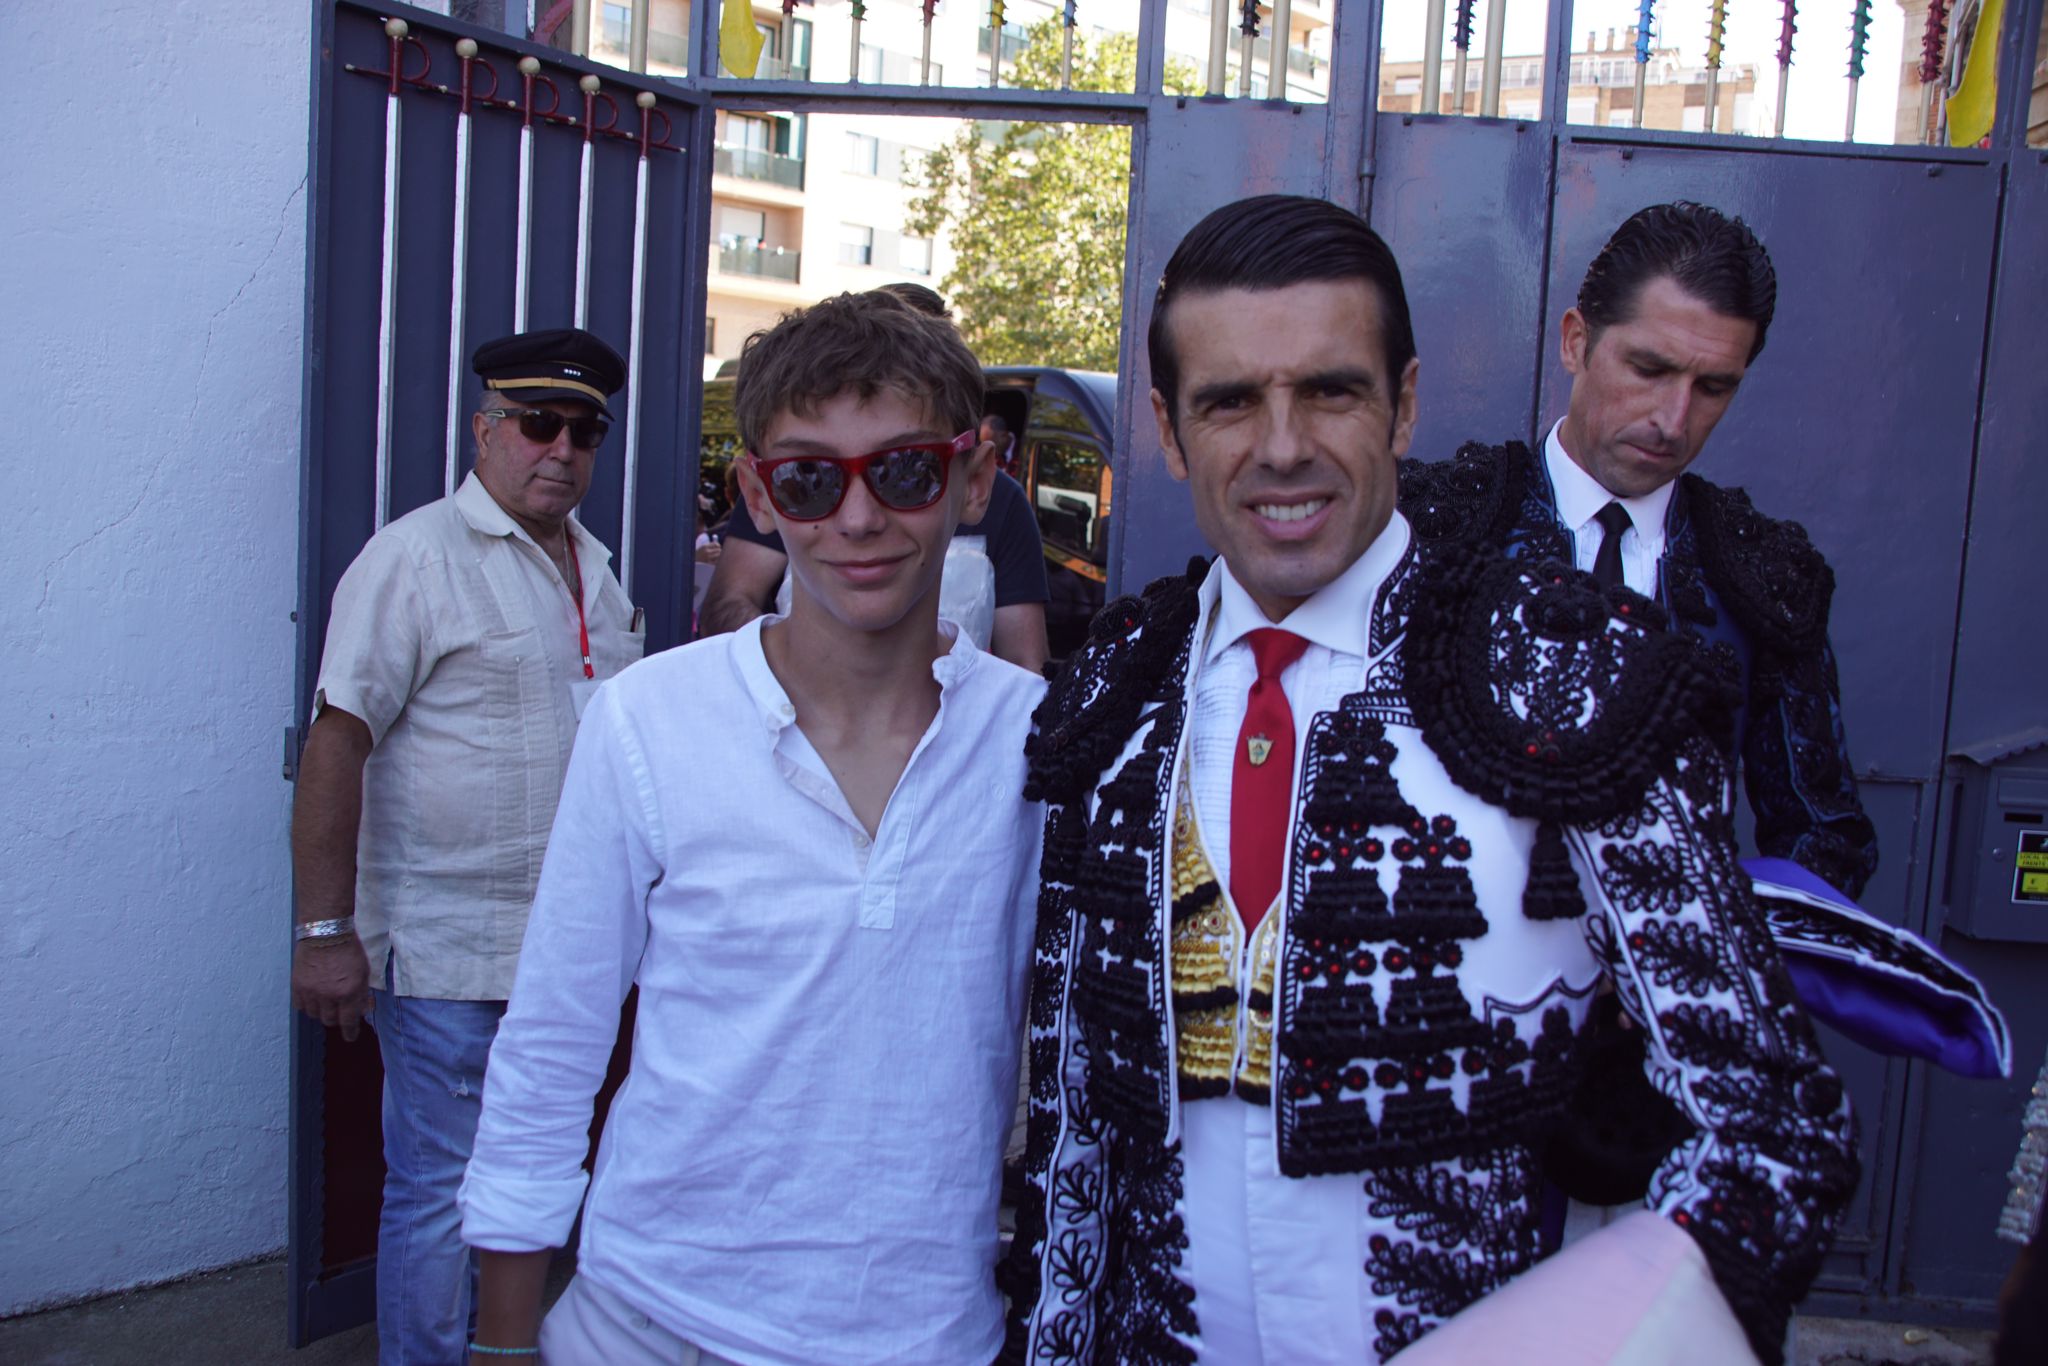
339,928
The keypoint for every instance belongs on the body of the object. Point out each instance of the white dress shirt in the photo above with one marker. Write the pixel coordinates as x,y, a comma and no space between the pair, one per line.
804,1164
1580,497
454,639
1270,1257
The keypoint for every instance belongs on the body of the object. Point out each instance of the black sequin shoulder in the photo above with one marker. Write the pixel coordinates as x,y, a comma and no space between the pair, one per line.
1543,692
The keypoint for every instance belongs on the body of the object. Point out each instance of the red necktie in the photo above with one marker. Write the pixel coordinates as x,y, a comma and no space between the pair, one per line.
1262,779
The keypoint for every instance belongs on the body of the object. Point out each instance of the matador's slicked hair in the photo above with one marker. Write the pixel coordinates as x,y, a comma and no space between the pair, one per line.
1706,253
1270,242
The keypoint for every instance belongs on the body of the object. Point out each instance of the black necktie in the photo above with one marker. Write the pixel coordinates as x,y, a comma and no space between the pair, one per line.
1613,520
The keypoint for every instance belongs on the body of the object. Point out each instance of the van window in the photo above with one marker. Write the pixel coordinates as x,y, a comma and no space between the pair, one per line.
1059,413
1066,488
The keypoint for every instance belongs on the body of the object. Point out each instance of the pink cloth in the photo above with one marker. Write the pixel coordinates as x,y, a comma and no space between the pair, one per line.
1635,1293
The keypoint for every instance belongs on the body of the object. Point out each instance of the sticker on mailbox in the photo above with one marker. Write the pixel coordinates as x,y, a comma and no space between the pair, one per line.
2030,867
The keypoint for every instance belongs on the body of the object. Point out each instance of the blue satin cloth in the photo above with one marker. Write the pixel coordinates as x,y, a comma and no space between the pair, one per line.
1878,985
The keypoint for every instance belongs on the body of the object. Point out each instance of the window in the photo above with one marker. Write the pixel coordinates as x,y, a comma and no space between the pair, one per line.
617,25
744,130
863,154
741,227
710,335
856,245
1407,85
1066,490
914,255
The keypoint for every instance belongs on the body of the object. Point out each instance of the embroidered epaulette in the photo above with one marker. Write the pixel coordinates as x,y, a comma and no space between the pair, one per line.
1545,693
1093,705
1472,496
1767,571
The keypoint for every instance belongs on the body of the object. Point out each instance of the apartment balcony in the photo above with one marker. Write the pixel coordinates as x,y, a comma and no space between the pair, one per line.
781,69
758,261
754,163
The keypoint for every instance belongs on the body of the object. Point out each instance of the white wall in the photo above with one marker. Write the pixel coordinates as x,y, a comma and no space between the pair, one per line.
152,295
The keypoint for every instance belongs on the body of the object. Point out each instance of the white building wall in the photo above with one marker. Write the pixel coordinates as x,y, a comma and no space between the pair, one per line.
153,294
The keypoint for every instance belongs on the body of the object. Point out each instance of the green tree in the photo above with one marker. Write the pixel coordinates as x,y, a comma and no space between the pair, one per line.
1035,213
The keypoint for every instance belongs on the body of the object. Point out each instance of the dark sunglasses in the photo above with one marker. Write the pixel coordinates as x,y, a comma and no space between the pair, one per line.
809,488
542,425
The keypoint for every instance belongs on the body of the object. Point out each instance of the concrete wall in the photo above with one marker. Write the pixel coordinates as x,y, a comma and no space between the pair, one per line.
153,292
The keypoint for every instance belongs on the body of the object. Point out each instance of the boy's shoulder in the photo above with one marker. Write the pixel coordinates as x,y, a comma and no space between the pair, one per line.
681,674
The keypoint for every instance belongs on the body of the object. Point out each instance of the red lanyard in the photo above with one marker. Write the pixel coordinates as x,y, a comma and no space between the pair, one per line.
575,591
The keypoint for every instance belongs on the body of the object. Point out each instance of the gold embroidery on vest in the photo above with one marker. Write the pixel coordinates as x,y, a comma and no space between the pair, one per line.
1206,946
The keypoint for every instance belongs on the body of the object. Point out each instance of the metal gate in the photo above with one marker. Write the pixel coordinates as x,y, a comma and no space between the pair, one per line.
1893,412
550,206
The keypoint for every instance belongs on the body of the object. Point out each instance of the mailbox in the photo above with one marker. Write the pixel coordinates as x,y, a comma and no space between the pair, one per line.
1996,880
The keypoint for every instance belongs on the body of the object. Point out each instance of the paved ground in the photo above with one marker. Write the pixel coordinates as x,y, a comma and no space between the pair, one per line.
236,1318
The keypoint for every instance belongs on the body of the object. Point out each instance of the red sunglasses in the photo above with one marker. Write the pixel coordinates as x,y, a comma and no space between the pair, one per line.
810,488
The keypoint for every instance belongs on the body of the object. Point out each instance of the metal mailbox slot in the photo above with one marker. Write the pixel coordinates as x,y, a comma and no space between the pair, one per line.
1997,876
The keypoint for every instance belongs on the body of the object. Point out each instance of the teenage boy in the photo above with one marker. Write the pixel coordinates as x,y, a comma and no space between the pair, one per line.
804,842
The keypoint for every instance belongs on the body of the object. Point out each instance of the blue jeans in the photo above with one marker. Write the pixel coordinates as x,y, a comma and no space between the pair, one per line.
434,1054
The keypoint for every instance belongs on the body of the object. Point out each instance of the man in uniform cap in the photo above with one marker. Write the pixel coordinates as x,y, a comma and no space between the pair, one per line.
462,646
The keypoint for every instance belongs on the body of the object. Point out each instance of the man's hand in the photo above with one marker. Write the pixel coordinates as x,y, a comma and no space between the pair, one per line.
331,982
330,977
708,552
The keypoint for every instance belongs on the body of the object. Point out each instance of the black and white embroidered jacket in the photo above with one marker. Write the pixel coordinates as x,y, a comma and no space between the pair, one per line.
1519,799
1751,589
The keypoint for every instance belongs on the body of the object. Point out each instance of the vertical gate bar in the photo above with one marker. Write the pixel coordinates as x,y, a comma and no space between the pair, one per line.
1717,23
929,7
995,44
1461,41
1645,16
579,27
1151,47
1489,70
1859,39
522,247
458,271
387,297
1932,40
1247,37
1067,45
585,176
860,12
628,520
1283,23
1219,44
1433,58
1789,27
636,36
1369,85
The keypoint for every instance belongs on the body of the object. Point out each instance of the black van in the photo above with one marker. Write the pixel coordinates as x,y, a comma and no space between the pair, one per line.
1062,418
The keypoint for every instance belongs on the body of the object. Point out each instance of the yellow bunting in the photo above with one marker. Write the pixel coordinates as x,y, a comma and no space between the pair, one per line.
1974,106
739,42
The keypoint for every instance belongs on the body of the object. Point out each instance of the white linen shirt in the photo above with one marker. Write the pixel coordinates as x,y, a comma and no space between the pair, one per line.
805,1162
1580,497
454,639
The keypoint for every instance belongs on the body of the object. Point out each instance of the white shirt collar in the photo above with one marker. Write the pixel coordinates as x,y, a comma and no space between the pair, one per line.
1580,496
1337,616
778,713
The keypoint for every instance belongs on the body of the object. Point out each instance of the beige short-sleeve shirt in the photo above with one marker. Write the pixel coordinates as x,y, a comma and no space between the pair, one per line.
454,639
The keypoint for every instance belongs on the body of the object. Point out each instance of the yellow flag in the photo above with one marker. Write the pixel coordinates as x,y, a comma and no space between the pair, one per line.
739,42
1974,106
